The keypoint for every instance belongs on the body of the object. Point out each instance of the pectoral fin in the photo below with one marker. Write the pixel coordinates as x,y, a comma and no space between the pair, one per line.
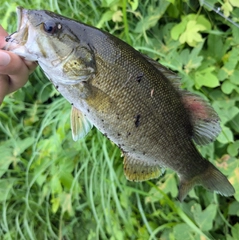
80,126
138,170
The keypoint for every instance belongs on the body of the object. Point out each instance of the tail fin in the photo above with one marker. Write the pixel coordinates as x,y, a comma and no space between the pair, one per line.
211,179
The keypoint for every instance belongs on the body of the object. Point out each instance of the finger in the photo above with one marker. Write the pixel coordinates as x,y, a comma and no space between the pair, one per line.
13,66
30,65
4,86
3,34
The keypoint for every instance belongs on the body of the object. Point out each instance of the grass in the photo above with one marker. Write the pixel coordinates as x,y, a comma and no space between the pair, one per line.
54,188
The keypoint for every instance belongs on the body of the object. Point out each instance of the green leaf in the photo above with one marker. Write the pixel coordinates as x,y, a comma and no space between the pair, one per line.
170,185
177,30
233,148
234,208
23,145
203,21
227,8
191,36
194,61
55,204
56,185
214,43
182,232
188,30
107,16
226,135
154,15
227,87
204,218
5,188
206,78
233,172
134,4
234,3
234,77
235,231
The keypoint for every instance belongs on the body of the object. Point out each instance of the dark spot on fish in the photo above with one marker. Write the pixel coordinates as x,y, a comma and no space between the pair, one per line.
133,149
142,172
137,121
139,77
105,134
144,153
88,110
128,134
57,86
102,120
134,172
119,134
72,104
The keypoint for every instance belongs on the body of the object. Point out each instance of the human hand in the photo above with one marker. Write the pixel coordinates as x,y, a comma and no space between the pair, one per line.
14,70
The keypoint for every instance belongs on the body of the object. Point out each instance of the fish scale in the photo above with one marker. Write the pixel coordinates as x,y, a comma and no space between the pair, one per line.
132,99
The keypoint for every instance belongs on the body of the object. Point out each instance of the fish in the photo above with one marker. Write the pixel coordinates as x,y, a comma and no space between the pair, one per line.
132,99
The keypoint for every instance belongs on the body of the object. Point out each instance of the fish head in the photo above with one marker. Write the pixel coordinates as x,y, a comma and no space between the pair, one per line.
50,40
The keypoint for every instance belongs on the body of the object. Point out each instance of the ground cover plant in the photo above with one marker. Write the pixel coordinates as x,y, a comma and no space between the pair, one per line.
54,188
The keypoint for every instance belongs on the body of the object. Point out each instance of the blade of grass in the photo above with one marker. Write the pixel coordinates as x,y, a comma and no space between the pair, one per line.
183,216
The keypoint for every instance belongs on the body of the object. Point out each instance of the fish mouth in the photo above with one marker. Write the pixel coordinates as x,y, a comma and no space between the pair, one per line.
20,41
19,11
19,37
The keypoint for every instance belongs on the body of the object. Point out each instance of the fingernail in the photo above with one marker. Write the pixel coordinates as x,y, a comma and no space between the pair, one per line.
4,59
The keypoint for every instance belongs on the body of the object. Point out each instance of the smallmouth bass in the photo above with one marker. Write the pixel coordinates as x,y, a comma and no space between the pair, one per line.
133,100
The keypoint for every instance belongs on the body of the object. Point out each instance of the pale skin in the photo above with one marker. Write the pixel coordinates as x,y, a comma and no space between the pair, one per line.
14,71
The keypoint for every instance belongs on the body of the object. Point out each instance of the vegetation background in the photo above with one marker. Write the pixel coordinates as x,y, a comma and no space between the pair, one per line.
54,188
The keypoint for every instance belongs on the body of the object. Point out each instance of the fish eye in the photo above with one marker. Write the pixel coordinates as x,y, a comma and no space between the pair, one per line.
50,27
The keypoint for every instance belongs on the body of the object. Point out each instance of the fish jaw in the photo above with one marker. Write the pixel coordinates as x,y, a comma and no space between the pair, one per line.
20,41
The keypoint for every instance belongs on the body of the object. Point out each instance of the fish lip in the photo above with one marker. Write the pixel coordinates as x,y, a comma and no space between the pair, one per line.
22,29
19,11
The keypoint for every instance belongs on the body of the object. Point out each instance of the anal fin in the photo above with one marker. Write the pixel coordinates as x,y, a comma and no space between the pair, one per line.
139,170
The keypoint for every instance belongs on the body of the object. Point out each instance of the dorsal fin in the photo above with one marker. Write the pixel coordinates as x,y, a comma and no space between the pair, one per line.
139,170
205,121
80,126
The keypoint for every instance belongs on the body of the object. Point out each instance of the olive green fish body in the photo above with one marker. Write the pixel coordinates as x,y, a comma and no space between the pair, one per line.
130,98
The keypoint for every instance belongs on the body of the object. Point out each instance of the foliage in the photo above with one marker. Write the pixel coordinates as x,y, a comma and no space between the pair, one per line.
54,188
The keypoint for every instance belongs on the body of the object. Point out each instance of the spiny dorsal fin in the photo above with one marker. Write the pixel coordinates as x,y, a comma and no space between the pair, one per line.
205,121
139,170
80,126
